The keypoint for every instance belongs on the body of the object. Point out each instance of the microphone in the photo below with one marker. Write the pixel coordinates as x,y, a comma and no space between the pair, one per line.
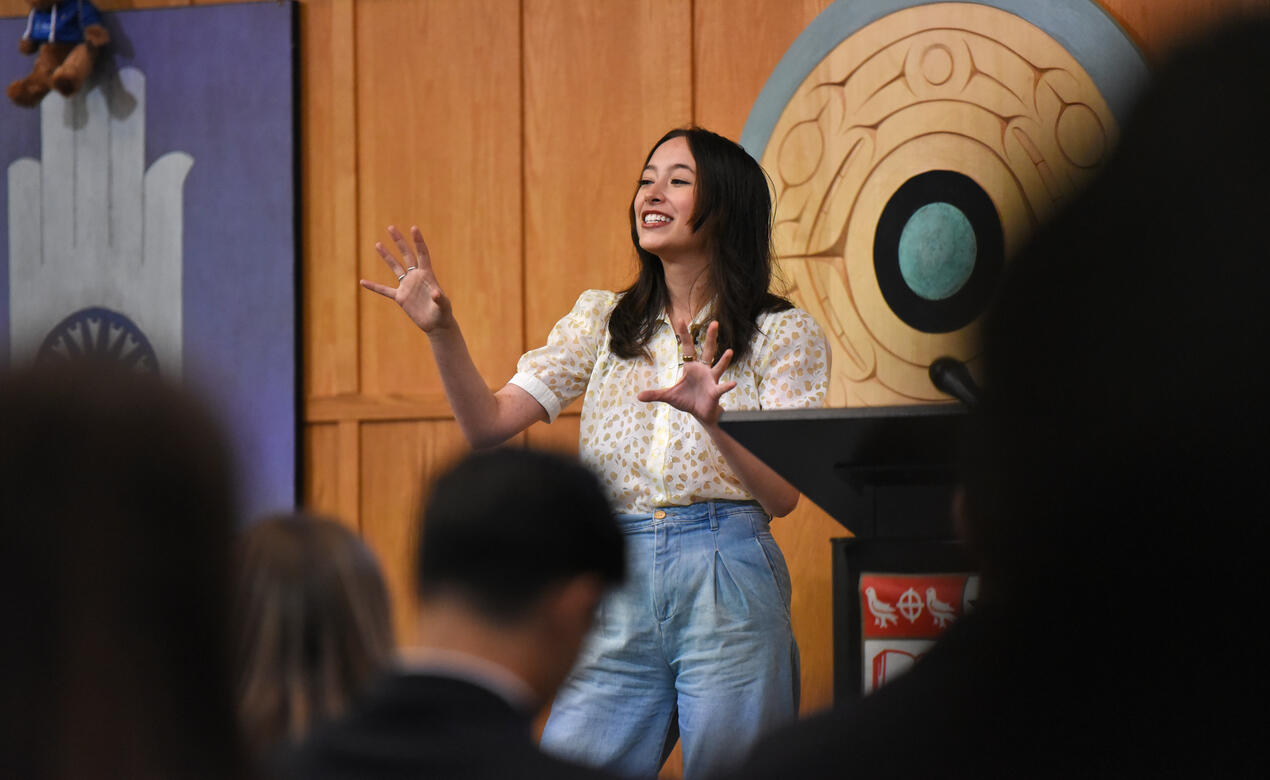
951,377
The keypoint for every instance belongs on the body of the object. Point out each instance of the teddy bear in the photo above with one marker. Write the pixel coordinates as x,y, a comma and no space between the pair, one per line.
67,35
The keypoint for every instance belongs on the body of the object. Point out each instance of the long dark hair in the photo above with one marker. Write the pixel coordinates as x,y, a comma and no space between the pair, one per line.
734,208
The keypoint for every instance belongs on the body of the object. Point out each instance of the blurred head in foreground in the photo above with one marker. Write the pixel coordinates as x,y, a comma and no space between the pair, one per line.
314,625
515,550
116,514
1119,505
1114,496
522,544
1126,420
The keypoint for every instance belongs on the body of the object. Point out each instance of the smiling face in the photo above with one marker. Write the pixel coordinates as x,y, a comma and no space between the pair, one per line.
665,200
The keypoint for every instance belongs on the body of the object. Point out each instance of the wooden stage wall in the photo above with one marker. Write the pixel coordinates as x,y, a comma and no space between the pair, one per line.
511,131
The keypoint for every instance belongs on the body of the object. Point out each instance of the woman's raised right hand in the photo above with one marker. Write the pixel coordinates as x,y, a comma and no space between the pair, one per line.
417,291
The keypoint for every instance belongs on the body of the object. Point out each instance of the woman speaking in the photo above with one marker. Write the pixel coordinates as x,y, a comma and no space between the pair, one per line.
702,627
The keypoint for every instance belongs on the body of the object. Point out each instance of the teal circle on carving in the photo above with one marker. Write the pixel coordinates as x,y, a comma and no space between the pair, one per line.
937,251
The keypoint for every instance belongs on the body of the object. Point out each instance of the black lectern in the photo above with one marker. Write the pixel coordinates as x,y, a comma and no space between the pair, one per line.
887,474
883,472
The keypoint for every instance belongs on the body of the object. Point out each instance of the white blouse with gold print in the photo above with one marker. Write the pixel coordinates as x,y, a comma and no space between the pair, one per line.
651,455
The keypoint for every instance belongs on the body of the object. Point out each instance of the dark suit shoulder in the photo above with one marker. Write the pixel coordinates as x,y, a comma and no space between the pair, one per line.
414,726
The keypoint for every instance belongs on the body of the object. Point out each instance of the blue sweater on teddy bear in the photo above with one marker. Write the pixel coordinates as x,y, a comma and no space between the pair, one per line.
63,23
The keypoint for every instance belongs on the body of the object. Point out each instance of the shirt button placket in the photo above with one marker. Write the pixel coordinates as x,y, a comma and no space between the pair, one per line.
661,421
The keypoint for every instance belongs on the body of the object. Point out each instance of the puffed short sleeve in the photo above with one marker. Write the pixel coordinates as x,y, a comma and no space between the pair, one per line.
558,373
792,361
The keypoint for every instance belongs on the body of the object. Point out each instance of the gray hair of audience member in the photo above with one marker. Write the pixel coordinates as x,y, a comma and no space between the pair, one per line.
502,526
314,625
116,518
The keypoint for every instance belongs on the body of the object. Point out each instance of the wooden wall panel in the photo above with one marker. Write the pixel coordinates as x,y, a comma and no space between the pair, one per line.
438,109
329,308
1158,27
322,469
603,81
730,76
400,459
328,146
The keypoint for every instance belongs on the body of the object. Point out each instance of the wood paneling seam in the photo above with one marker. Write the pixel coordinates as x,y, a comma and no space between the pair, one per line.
524,177
692,60
344,103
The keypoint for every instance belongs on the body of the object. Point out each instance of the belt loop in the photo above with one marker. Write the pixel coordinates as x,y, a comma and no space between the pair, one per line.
714,516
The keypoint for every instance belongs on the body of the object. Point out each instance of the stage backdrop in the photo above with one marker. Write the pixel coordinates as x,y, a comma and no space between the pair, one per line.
153,215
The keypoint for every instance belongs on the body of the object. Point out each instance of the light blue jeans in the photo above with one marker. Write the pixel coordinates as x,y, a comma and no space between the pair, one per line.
701,626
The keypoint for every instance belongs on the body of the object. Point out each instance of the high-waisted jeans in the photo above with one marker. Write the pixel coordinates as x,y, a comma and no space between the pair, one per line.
701,626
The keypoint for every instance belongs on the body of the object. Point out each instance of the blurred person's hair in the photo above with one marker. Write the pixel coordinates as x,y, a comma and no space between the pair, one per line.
314,625
116,519
503,526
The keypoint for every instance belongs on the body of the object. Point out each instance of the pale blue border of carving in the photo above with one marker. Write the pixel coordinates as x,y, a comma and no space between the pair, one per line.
1084,28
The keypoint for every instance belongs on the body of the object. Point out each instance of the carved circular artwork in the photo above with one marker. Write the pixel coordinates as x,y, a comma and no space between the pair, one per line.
99,333
913,157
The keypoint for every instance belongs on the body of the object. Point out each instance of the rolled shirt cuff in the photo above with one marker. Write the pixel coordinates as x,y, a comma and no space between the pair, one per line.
541,393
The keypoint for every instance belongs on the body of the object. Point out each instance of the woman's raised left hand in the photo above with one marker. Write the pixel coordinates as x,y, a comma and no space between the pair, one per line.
698,391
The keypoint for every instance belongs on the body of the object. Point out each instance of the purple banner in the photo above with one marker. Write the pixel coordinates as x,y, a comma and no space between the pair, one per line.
210,90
